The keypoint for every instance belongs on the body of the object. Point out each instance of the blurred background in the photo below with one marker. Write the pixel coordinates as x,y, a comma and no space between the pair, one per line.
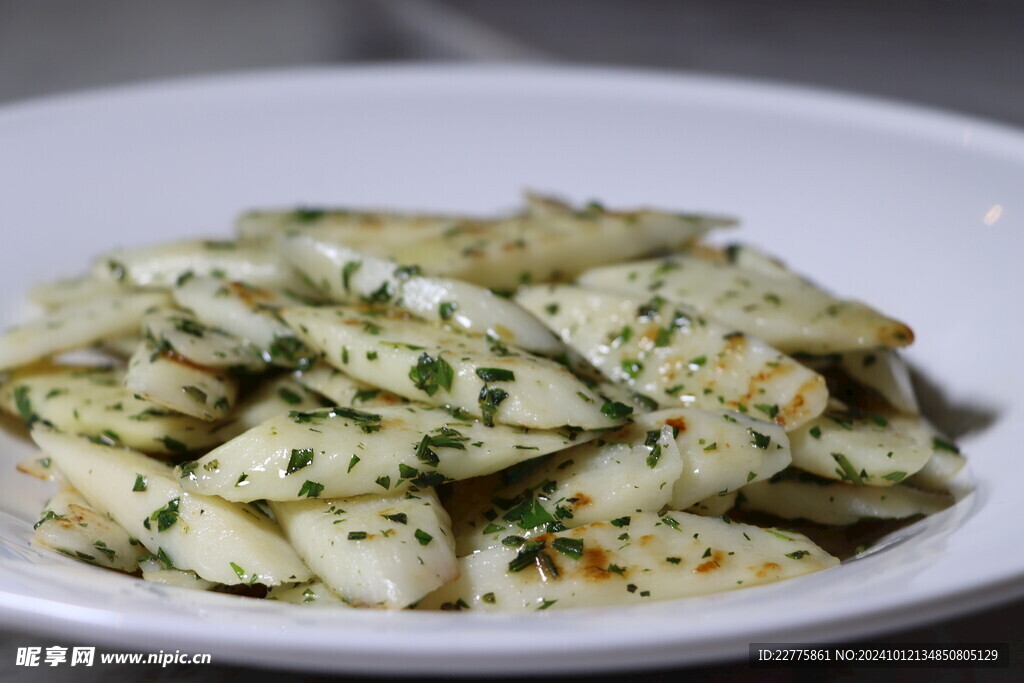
957,54
961,55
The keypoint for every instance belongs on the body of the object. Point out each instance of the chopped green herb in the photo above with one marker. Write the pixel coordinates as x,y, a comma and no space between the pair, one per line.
347,271
431,374
423,537
447,309
572,547
301,457
311,489
495,375
616,410
140,483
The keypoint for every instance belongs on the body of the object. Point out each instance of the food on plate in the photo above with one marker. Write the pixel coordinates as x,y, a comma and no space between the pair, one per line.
562,407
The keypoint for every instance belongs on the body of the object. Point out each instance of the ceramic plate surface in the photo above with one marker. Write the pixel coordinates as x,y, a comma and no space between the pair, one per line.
918,212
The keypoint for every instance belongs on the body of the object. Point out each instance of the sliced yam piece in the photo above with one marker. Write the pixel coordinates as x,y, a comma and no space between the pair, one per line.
723,452
424,363
38,466
161,266
342,390
375,232
714,506
884,371
866,450
182,333
93,401
155,571
220,541
75,326
348,276
629,470
72,527
250,313
171,381
374,551
649,558
275,397
675,356
940,469
313,592
826,502
342,452
790,314
73,290
120,348
505,253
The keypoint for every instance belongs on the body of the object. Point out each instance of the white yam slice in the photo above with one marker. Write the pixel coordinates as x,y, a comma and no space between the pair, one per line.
176,384
155,571
723,452
250,313
94,402
313,592
161,266
374,232
790,314
417,360
938,471
220,541
342,452
347,276
674,355
182,333
714,506
866,450
71,526
507,252
75,326
648,558
72,290
38,466
374,551
884,371
275,397
834,503
342,390
626,471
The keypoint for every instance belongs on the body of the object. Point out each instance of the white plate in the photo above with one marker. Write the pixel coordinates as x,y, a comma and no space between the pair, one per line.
915,211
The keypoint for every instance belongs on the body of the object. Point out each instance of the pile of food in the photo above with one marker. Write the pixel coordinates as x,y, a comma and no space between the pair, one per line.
562,407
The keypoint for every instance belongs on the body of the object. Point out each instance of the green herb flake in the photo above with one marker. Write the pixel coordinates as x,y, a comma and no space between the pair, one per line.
490,398
495,375
423,537
311,489
447,309
759,440
140,483
167,516
846,470
301,457
616,410
347,271
289,396
571,547
431,374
